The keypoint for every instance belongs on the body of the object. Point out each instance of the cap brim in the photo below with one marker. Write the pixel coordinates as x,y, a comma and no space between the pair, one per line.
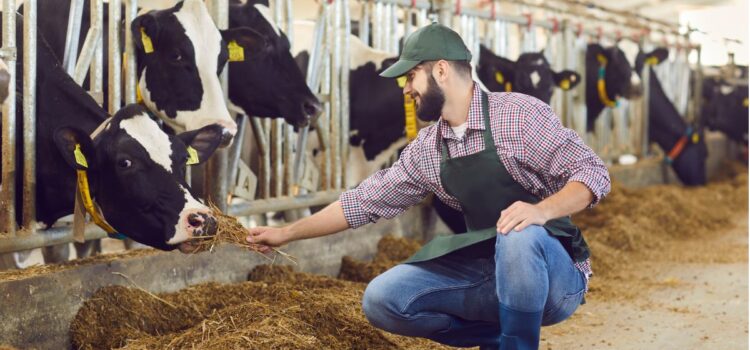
399,68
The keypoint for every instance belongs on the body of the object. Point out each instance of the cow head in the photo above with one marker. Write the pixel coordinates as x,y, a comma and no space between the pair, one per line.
531,74
266,81
725,108
137,176
180,54
620,80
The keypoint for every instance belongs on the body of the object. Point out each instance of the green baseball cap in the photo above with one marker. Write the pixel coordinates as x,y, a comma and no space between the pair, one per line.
430,43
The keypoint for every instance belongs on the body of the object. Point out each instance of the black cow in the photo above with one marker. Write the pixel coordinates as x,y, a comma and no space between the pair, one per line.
135,170
725,108
531,74
620,81
669,130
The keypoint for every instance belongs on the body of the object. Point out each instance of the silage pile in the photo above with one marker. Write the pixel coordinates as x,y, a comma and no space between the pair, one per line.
276,309
391,251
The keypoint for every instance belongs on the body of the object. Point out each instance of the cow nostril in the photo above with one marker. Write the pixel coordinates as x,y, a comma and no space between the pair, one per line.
312,108
195,220
226,138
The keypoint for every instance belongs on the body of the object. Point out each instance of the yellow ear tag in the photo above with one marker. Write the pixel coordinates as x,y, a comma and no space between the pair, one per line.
401,81
499,77
236,52
192,156
565,84
744,102
652,61
696,138
80,158
508,87
148,46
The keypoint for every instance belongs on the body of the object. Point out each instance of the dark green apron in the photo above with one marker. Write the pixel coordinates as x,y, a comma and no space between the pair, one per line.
484,188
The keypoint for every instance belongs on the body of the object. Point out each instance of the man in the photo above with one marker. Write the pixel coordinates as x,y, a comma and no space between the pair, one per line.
505,160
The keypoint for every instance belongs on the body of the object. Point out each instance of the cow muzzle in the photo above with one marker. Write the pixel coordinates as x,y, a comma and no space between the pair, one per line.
312,109
199,226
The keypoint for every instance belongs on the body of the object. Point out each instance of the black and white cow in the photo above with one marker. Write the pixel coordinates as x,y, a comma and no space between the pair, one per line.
135,170
620,80
725,108
530,74
669,130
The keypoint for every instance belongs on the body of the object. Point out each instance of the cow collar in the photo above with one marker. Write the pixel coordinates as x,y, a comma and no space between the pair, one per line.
679,146
500,78
410,113
601,87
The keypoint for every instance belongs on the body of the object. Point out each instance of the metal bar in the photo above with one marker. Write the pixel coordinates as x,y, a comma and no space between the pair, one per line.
72,36
283,203
289,155
344,88
300,158
115,60
215,179
290,21
93,37
53,236
377,27
260,138
236,151
645,79
364,23
29,116
97,65
335,94
131,11
277,138
324,130
8,194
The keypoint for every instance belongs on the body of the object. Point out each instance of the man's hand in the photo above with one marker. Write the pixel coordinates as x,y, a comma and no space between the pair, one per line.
267,237
520,215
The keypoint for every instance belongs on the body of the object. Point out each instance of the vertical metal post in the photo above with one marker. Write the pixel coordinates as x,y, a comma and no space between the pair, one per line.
215,179
72,36
235,151
115,60
377,27
364,23
29,116
130,64
393,24
344,87
645,78
289,21
97,64
336,94
8,194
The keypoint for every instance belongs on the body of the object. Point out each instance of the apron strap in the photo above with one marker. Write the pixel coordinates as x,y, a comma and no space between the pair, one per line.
487,134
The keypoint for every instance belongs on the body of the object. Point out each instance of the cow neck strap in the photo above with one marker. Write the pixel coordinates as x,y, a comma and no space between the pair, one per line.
410,113
679,146
601,86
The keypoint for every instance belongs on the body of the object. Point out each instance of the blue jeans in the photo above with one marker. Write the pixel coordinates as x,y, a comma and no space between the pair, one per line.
455,300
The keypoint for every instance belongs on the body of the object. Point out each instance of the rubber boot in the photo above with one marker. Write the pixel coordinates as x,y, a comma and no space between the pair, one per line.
520,330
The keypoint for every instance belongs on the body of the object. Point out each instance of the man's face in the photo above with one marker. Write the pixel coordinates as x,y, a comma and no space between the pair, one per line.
423,88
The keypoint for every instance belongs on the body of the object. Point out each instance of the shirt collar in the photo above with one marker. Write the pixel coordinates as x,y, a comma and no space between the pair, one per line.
475,121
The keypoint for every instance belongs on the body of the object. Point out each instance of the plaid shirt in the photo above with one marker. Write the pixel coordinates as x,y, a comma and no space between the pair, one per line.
538,152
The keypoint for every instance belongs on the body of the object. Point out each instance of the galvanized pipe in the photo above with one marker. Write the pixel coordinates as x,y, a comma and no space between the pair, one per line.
393,24
344,89
262,141
235,151
72,36
336,94
377,27
645,79
290,21
364,23
277,137
93,37
97,64
29,116
131,11
289,157
8,194
115,60
284,203
50,237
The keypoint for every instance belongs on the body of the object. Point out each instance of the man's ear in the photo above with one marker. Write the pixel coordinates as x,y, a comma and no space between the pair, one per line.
202,142
657,56
243,42
145,30
566,79
76,148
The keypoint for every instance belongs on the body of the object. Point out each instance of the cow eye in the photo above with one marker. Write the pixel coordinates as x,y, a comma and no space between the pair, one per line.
176,56
124,163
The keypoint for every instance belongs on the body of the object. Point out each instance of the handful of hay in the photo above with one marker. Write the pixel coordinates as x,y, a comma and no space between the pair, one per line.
229,230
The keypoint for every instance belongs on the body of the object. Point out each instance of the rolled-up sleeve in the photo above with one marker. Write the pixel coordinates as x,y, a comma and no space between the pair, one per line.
560,155
388,192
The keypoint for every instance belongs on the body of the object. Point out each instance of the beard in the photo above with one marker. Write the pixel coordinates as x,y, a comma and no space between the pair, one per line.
431,103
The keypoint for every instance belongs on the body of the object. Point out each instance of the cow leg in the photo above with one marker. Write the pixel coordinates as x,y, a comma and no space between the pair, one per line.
56,253
88,248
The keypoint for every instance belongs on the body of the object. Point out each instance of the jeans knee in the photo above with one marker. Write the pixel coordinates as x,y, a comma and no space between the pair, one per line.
520,242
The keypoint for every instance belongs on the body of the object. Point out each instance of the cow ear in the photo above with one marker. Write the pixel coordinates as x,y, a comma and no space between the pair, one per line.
566,79
242,42
202,142
76,148
145,29
657,56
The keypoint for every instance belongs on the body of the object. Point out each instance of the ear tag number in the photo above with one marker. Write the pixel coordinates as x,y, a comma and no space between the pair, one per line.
192,156
236,52
80,158
148,46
